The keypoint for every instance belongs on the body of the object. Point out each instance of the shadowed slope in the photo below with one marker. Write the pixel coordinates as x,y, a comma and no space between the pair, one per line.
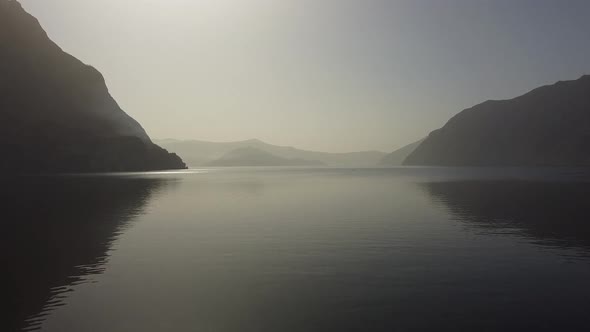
547,126
397,157
57,114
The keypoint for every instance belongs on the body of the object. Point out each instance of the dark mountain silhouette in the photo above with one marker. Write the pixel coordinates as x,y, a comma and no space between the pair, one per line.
548,126
200,153
397,157
57,232
57,114
255,157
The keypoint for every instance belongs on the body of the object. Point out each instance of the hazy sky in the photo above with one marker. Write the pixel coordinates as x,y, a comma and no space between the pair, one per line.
333,75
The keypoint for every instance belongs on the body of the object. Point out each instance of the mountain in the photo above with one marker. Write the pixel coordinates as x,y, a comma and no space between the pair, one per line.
549,126
397,157
199,153
57,113
255,157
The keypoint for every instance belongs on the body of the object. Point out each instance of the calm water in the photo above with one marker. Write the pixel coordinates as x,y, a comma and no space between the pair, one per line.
408,249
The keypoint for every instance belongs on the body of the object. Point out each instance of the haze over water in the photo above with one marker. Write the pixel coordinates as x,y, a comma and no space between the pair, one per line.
298,249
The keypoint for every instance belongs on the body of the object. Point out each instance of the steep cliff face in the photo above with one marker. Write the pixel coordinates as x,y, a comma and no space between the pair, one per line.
57,113
549,126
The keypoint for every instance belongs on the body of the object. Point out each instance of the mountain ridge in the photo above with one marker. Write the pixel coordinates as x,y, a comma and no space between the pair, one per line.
548,126
58,115
397,157
249,156
199,153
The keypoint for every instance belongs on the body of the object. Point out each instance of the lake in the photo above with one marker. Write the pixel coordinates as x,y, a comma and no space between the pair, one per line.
298,249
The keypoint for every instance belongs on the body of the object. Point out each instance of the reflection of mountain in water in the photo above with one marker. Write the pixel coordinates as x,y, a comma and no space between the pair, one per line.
57,231
553,214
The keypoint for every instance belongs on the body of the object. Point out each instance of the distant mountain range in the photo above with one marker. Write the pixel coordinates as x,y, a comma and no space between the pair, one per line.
202,153
249,156
57,113
397,157
549,126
